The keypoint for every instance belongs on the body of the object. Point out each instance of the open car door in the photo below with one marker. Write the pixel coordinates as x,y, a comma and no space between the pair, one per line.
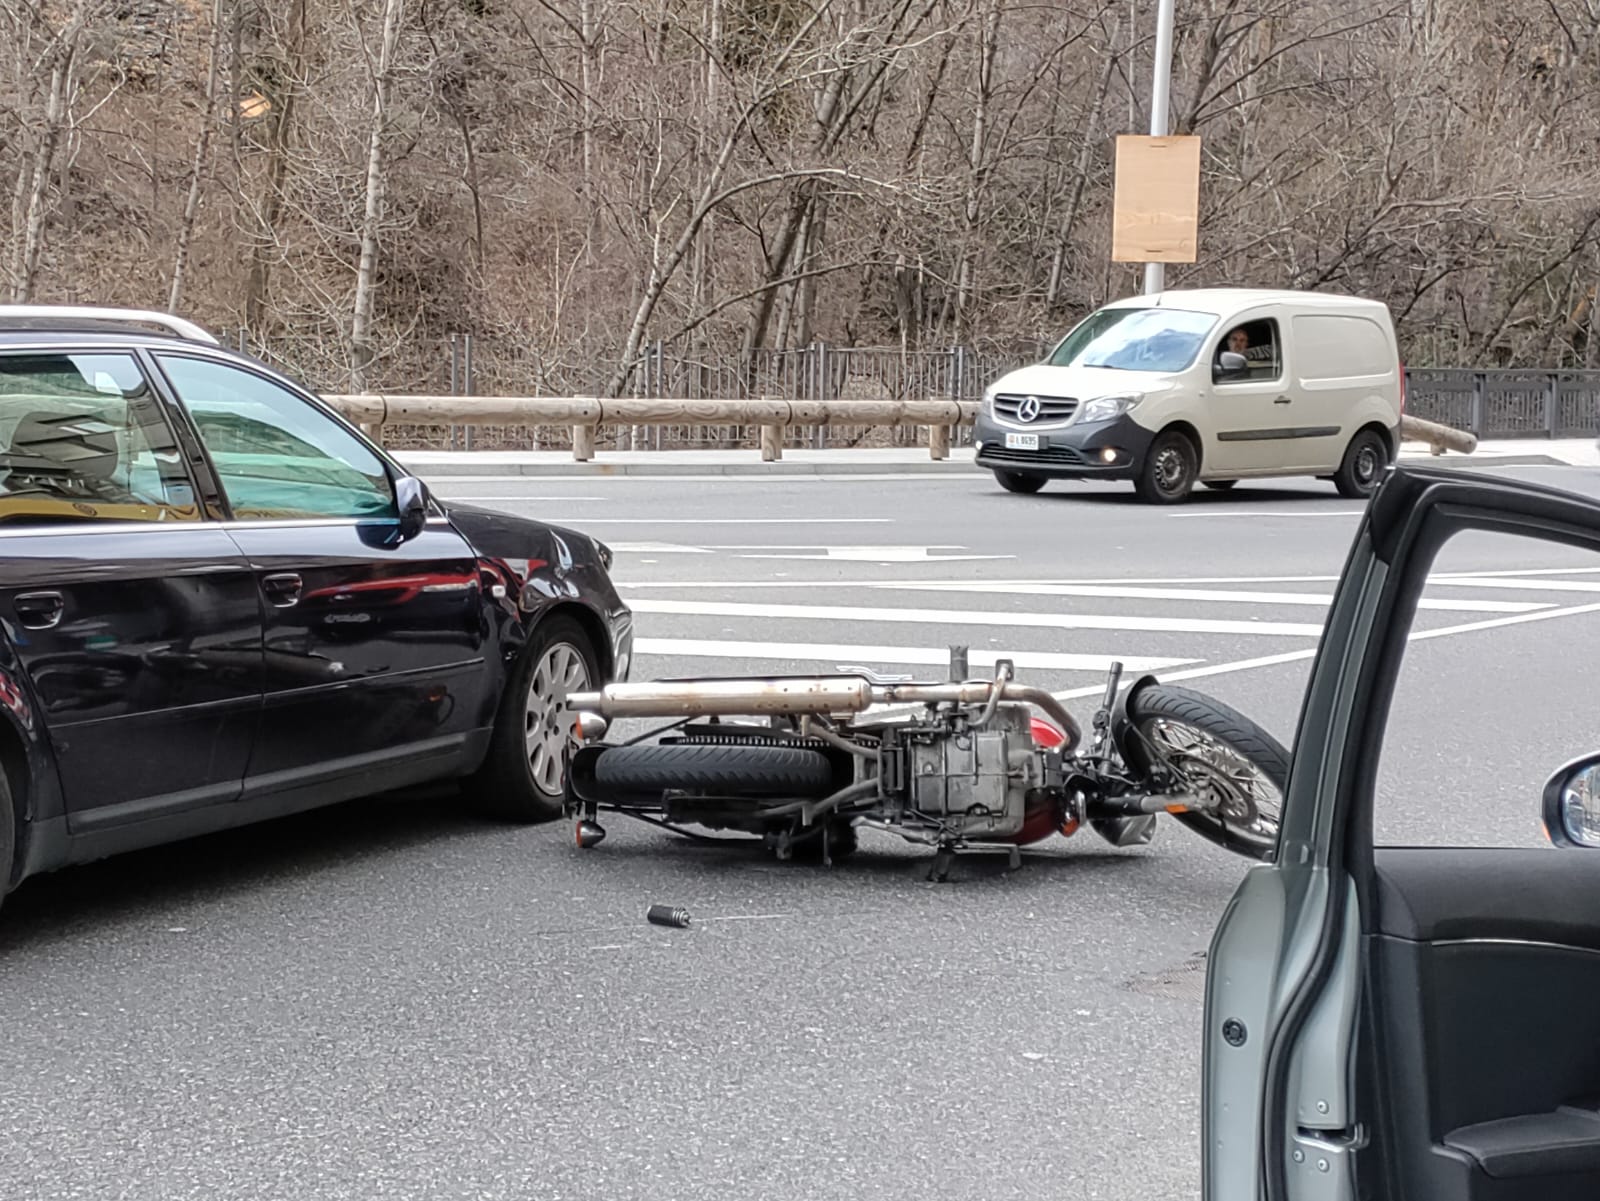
1417,1023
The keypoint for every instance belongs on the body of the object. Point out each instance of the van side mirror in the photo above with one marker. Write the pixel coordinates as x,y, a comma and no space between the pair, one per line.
411,499
1231,365
1572,804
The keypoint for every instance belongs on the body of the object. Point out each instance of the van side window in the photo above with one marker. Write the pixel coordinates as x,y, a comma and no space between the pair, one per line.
1258,342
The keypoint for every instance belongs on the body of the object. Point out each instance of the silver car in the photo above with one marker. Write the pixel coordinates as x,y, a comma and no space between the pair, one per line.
1408,1024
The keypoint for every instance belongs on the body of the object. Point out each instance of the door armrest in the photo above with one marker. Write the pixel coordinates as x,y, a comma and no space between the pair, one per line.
1543,1144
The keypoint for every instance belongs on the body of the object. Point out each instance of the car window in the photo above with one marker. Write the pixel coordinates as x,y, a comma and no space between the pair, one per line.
276,456
83,438
1258,342
1495,692
1135,339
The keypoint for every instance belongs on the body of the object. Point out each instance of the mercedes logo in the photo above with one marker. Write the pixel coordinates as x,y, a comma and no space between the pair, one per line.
1028,410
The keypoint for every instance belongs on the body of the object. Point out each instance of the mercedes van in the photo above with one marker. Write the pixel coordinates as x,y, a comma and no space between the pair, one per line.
1208,386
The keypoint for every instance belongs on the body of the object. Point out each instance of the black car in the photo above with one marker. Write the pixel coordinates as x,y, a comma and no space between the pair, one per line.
220,603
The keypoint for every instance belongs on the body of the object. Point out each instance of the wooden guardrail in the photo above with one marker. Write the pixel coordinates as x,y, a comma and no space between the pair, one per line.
584,414
1439,438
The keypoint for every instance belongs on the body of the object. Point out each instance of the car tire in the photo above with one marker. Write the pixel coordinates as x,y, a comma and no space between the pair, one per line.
1016,481
1166,477
1219,485
1363,466
521,777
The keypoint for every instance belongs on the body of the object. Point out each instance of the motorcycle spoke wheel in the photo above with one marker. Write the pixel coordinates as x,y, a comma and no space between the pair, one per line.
1233,769
1233,790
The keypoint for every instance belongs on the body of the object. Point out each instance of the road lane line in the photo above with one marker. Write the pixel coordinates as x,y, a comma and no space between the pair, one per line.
955,617
1208,595
838,654
1222,669
1268,513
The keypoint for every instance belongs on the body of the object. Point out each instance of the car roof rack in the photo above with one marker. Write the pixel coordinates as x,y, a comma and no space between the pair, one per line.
33,315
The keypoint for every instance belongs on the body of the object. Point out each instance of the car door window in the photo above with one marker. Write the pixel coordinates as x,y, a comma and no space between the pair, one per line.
1494,692
82,437
276,456
1259,343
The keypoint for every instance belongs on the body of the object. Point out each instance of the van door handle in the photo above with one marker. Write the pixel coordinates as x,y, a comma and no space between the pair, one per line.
40,610
1283,400
282,589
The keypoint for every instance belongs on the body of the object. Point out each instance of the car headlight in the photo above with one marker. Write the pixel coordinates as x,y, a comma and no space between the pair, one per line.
1103,408
603,551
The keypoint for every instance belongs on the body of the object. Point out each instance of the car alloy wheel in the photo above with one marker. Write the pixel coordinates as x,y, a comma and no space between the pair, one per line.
548,724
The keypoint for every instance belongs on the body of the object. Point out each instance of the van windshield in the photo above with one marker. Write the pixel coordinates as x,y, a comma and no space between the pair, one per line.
1135,339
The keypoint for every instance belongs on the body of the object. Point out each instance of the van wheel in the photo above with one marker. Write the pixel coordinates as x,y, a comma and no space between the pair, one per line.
1364,462
1167,475
1219,485
1015,481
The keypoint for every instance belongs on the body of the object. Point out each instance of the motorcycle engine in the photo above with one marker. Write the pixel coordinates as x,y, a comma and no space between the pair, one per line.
975,781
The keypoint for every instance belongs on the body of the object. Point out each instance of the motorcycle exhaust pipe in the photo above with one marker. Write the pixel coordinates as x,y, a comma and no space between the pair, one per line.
795,696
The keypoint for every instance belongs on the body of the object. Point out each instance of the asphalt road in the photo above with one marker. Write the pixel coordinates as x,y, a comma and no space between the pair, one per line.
396,1000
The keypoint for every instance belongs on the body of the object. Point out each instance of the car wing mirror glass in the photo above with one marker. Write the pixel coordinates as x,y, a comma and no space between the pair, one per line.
1231,365
1572,804
411,499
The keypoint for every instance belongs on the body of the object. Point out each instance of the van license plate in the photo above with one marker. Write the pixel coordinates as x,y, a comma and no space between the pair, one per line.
1022,441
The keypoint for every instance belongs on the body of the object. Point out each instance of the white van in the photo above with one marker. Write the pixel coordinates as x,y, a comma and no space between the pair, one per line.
1209,386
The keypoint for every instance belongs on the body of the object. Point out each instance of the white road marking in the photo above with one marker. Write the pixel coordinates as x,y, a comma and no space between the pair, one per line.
802,521
1544,584
1222,669
656,548
953,617
1208,595
870,554
838,654
1269,513
476,499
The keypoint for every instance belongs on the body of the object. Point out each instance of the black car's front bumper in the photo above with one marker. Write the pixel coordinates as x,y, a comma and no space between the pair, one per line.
1112,450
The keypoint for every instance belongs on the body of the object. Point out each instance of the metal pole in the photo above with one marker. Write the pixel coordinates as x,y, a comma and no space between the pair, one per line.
1155,274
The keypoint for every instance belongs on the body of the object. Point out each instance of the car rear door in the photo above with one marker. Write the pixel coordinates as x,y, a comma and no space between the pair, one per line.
135,619
1414,1018
374,643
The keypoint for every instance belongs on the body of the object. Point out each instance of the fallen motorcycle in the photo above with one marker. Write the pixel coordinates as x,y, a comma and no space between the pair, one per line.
803,762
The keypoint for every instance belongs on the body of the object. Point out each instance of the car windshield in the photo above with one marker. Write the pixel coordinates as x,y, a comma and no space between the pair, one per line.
1135,339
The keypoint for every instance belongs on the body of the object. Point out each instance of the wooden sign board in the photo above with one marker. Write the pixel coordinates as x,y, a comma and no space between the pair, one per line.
1156,218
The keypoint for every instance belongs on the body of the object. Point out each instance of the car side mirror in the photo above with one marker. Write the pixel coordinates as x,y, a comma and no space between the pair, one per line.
1231,365
411,499
1572,804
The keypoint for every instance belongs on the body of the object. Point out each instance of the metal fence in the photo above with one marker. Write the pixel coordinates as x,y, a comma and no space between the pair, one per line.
1510,403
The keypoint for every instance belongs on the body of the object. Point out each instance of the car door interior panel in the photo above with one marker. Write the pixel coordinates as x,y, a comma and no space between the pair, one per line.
1484,964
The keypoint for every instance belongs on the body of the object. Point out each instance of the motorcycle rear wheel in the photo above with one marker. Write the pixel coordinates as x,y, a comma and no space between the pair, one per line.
717,770
1228,759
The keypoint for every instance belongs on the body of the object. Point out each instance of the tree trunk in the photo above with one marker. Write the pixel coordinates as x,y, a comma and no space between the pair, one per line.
280,143
202,150
361,312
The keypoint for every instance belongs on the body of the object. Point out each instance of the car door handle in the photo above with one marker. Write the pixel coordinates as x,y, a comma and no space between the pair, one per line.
40,610
282,589
1283,400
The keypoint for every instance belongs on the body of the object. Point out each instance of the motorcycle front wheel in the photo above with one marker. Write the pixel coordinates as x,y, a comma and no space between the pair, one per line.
1237,769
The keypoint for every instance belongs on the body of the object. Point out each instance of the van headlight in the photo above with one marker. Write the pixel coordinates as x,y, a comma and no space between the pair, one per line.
1103,408
988,401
